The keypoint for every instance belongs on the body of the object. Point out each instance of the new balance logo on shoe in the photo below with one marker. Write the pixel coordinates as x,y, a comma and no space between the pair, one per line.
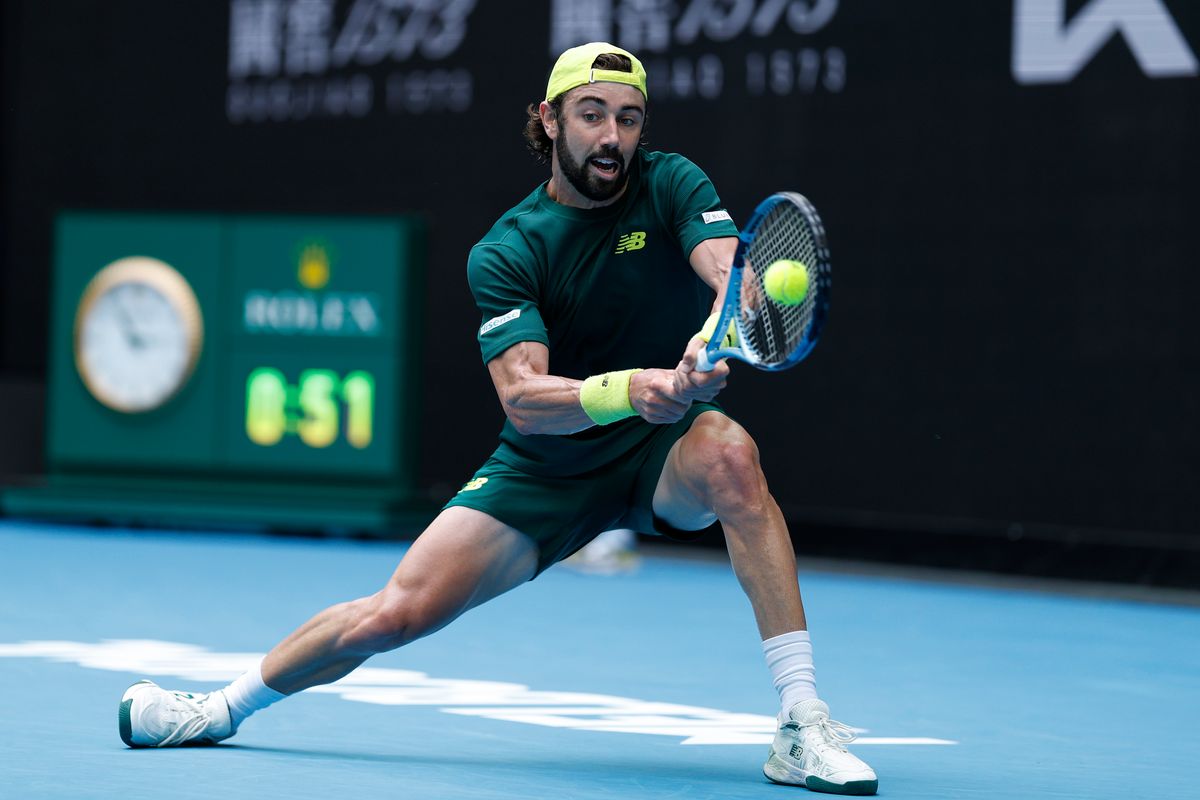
796,752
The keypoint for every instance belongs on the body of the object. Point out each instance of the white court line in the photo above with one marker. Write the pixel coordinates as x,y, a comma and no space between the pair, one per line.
511,702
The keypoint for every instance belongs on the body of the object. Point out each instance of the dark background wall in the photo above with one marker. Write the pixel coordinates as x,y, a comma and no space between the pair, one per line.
1012,350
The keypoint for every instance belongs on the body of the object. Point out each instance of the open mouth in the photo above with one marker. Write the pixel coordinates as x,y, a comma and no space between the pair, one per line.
607,167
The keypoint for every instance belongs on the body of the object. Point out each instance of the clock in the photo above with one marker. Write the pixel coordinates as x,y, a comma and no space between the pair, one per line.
138,334
236,371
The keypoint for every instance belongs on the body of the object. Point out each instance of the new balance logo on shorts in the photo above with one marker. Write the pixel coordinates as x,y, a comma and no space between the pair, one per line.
631,241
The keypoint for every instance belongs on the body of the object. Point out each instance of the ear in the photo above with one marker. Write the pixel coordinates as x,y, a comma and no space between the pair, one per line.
549,120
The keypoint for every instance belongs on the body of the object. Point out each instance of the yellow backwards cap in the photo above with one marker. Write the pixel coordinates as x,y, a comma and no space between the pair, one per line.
574,68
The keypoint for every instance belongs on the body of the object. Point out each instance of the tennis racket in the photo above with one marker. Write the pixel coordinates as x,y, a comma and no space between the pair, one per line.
773,335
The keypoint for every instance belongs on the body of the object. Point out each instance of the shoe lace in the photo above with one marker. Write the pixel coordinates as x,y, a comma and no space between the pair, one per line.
833,733
192,718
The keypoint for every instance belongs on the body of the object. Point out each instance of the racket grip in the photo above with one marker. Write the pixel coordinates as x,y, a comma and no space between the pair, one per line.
703,364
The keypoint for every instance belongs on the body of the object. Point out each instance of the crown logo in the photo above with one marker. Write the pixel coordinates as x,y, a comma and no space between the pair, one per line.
313,271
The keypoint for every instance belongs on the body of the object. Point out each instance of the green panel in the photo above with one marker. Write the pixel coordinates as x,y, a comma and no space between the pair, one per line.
298,412
310,414
321,293
82,432
333,283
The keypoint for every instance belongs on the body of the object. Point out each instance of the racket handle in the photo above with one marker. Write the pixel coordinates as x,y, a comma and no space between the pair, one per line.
703,364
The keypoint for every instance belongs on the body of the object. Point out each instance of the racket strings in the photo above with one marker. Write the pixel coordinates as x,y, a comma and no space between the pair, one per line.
772,331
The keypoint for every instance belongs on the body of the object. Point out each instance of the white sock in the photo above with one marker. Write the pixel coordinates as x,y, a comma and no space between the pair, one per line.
248,694
789,657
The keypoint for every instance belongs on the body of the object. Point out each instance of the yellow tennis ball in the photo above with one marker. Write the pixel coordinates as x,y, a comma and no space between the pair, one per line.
786,282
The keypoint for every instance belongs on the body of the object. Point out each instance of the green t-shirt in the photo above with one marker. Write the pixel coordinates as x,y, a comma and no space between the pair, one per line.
604,289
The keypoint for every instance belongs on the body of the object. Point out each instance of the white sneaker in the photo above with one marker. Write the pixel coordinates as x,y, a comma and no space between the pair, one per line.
154,717
810,751
613,552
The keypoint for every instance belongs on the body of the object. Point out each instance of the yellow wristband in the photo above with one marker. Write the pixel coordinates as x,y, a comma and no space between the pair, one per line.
605,398
710,326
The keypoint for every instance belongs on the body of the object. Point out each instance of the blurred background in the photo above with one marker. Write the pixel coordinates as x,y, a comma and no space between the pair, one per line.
1009,380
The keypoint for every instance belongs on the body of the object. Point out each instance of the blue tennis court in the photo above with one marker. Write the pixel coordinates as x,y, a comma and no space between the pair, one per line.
642,685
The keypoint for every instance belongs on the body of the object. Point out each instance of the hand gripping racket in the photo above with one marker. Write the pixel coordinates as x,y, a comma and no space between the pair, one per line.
771,334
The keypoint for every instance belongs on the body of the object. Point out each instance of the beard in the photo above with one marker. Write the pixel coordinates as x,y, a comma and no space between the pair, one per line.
585,182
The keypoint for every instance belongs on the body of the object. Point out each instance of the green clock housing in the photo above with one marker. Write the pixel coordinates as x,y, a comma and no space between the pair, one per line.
294,413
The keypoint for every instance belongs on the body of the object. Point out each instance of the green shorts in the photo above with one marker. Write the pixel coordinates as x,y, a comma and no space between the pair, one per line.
562,514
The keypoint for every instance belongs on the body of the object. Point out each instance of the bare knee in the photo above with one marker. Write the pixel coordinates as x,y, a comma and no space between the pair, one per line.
392,618
727,457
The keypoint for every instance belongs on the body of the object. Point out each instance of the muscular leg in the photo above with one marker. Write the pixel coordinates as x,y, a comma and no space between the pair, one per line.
713,472
464,558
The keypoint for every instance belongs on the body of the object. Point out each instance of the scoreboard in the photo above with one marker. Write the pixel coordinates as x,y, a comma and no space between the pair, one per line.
235,369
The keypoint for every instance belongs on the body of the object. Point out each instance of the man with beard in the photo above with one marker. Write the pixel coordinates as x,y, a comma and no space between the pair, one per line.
611,263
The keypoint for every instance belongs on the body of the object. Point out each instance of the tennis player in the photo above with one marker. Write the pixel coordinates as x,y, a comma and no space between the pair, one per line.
610,264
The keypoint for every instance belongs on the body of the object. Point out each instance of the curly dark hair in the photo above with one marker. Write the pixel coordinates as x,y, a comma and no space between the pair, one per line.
541,145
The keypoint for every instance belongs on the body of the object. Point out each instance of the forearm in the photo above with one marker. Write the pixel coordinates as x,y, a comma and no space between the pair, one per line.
537,402
546,404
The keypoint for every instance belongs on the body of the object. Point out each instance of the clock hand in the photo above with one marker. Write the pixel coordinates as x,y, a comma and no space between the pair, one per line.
129,327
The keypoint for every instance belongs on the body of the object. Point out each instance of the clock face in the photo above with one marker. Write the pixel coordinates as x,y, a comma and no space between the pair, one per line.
137,334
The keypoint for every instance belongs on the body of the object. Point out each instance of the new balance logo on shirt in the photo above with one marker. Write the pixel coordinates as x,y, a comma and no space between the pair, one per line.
631,241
